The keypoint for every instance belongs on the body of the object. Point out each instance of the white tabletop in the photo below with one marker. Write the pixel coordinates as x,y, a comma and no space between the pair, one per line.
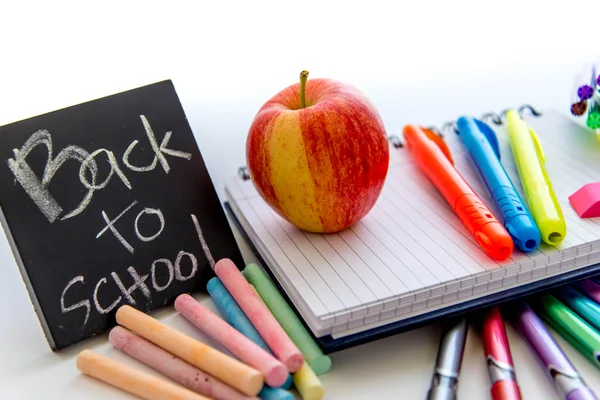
423,62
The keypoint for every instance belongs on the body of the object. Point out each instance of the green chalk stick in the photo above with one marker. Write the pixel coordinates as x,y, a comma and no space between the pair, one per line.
290,323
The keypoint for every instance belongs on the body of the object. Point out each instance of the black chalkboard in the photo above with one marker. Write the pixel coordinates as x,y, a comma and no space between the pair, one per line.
108,203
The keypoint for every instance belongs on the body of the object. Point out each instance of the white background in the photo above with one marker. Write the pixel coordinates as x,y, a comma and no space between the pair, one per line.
419,61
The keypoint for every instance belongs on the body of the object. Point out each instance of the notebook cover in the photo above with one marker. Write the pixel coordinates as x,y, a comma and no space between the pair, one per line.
330,345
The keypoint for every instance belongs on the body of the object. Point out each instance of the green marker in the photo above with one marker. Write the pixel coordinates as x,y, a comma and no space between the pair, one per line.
570,326
585,307
290,323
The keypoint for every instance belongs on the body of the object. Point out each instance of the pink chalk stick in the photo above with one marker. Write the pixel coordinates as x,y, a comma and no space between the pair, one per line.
240,346
172,367
260,316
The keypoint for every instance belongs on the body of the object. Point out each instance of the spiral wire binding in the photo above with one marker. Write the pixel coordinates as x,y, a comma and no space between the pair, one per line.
396,141
493,117
243,173
449,127
496,119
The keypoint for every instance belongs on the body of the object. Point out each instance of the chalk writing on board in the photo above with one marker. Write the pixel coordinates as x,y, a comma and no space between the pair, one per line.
178,275
114,230
146,211
205,248
88,176
38,190
159,156
103,310
83,303
114,167
138,283
169,265
161,218
173,271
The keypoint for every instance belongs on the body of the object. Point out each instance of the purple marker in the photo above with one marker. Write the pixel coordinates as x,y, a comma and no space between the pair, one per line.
567,381
590,289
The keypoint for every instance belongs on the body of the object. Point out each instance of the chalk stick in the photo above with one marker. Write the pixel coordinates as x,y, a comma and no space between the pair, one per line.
286,317
233,314
130,380
240,346
220,365
308,384
260,316
269,393
171,366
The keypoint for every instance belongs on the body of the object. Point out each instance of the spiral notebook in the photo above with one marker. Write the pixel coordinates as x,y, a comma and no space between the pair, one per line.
411,261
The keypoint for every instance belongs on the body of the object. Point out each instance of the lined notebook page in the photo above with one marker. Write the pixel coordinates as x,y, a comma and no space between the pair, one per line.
411,250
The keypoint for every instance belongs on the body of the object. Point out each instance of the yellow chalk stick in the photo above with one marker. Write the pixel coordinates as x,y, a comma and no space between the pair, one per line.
220,365
130,380
308,384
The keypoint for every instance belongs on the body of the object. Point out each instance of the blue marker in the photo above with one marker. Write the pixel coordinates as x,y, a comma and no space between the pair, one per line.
585,307
234,315
482,144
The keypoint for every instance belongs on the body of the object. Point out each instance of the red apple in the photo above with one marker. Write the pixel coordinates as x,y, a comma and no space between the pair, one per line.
318,154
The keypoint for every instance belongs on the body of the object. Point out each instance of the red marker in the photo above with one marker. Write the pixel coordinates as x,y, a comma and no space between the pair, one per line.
499,358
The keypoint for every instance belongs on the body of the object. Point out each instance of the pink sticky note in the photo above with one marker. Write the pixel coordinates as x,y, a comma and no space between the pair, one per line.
586,201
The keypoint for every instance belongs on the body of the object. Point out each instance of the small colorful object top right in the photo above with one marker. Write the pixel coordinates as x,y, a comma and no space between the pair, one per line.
585,101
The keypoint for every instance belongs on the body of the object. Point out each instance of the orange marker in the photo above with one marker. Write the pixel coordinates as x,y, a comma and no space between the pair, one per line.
434,159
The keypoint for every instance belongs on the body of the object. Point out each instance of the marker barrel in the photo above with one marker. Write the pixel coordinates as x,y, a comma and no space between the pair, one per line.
570,325
590,288
172,367
260,316
506,390
220,365
130,380
273,370
549,353
490,234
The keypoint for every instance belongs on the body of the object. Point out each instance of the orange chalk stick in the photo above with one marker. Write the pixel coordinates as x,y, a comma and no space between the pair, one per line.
131,380
172,367
220,365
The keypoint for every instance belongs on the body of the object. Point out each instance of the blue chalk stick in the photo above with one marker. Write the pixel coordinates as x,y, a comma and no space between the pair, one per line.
232,312
268,393
288,383
234,315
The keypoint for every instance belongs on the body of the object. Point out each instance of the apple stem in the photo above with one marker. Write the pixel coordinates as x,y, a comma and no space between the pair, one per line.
303,78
